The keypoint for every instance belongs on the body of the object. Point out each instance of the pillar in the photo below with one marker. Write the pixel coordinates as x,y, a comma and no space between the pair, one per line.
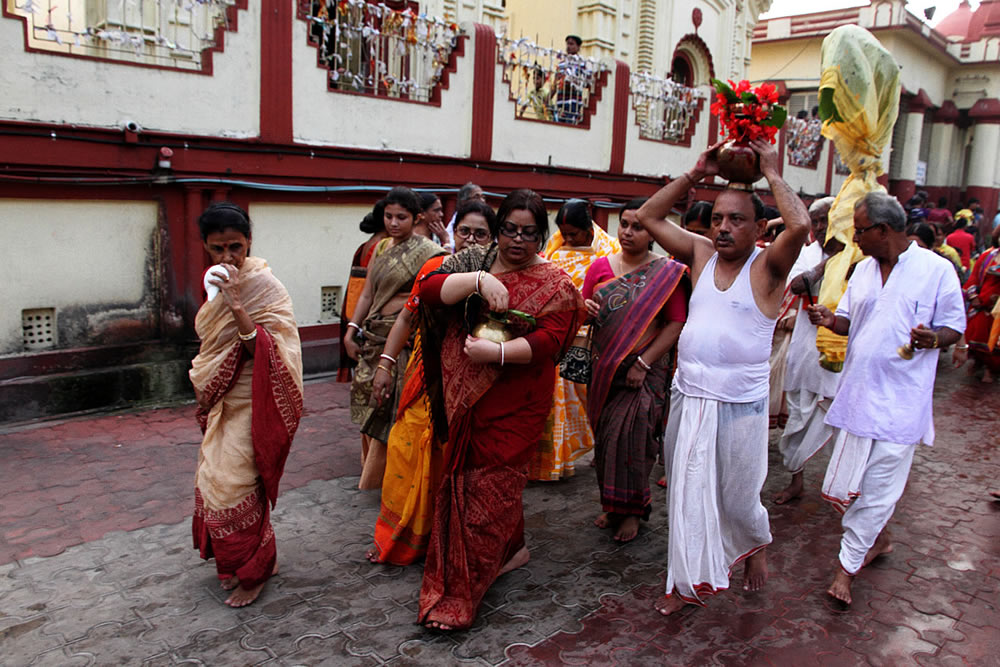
911,112
939,167
982,176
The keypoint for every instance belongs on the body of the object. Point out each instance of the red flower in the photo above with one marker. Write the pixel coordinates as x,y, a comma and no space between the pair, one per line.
767,93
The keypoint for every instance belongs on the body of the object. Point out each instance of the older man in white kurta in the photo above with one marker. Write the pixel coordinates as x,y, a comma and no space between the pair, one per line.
900,294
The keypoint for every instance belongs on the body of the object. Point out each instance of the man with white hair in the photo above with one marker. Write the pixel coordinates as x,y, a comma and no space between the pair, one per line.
903,303
809,388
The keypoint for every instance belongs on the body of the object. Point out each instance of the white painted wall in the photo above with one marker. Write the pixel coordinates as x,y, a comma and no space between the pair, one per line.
58,89
531,142
75,254
322,117
308,246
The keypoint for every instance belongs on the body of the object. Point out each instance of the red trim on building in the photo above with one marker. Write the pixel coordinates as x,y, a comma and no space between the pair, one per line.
948,113
699,44
484,62
985,110
276,71
619,125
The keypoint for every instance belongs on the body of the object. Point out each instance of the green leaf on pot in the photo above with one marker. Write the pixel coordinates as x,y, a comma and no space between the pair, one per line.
827,109
725,91
777,118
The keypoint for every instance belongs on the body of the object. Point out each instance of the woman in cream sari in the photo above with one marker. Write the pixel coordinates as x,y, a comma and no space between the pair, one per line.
391,274
248,382
568,435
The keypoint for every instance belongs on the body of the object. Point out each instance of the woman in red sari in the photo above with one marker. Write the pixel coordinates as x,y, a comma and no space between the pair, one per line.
490,400
638,313
247,379
982,290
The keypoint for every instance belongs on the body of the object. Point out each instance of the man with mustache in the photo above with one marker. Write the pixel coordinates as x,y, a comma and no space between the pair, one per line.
715,445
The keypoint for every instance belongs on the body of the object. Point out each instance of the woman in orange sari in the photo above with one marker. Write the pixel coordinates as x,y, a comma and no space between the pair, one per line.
414,457
247,379
568,435
638,303
489,400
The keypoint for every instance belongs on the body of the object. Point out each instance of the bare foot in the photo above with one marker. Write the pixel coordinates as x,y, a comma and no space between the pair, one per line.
792,491
668,604
883,545
230,583
995,494
241,597
602,520
840,587
372,555
627,529
662,482
516,561
434,625
755,571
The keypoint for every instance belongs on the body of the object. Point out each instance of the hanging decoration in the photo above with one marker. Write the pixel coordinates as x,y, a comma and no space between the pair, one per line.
546,83
804,141
173,33
374,49
664,108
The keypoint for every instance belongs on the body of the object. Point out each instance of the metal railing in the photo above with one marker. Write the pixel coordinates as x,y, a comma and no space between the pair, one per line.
169,33
547,84
664,109
803,141
376,50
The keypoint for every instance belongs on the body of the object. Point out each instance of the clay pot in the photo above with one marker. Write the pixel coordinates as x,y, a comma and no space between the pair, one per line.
739,163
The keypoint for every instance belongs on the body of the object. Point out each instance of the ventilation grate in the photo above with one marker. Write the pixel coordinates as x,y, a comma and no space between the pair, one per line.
39,328
330,303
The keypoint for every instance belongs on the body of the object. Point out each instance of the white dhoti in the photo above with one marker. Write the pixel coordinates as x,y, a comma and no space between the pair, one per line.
806,431
873,474
715,454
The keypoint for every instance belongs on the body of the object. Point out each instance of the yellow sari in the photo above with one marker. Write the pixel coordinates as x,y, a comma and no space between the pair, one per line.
568,434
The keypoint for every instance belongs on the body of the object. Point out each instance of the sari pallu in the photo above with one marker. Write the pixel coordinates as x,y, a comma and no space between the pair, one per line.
568,434
984,282
494,418
249,410
391,271
628,422
355,285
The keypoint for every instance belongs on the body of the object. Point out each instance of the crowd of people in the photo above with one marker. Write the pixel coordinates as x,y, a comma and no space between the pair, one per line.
487,352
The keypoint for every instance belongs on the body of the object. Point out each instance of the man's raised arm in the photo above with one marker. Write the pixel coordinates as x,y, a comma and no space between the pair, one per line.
781,254
676,240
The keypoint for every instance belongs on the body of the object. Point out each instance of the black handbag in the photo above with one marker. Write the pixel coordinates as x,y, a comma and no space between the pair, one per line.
575,365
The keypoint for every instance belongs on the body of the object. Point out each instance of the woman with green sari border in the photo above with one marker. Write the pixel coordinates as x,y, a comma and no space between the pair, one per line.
391,275
637,312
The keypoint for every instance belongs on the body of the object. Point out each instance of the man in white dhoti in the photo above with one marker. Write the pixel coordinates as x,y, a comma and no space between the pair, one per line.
715,445
809,388
900,294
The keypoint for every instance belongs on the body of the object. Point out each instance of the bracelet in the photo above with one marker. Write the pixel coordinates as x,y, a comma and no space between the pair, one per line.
391,360
385,368
961,347
248,336
479,277
646,367
501,353
936,342
352,325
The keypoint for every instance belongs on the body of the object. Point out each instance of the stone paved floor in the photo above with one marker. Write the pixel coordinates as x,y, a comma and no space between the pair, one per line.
96,565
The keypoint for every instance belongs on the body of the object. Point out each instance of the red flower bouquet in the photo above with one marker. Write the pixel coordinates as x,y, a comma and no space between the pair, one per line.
746,114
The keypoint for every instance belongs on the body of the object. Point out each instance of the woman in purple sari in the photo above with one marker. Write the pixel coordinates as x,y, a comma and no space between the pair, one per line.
638,312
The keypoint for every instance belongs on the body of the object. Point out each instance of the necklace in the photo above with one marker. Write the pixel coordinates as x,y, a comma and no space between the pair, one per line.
630,269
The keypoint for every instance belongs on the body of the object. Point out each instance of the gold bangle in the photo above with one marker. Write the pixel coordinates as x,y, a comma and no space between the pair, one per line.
248,336
385,368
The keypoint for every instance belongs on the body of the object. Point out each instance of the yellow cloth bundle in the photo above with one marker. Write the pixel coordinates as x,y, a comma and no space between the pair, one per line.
859,101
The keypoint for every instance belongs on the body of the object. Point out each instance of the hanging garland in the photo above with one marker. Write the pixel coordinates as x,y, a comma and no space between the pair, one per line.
670,106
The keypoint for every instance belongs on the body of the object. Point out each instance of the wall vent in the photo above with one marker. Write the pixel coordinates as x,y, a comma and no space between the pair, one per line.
330,303
38,327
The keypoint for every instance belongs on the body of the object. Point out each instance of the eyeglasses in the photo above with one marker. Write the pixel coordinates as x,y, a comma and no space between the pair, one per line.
512,231
858,232
478,234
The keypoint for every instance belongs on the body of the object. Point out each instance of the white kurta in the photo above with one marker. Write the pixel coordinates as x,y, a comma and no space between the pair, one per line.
881,395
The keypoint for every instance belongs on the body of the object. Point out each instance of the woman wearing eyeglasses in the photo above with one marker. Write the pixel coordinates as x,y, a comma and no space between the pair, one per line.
490,397
568,436
414,458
